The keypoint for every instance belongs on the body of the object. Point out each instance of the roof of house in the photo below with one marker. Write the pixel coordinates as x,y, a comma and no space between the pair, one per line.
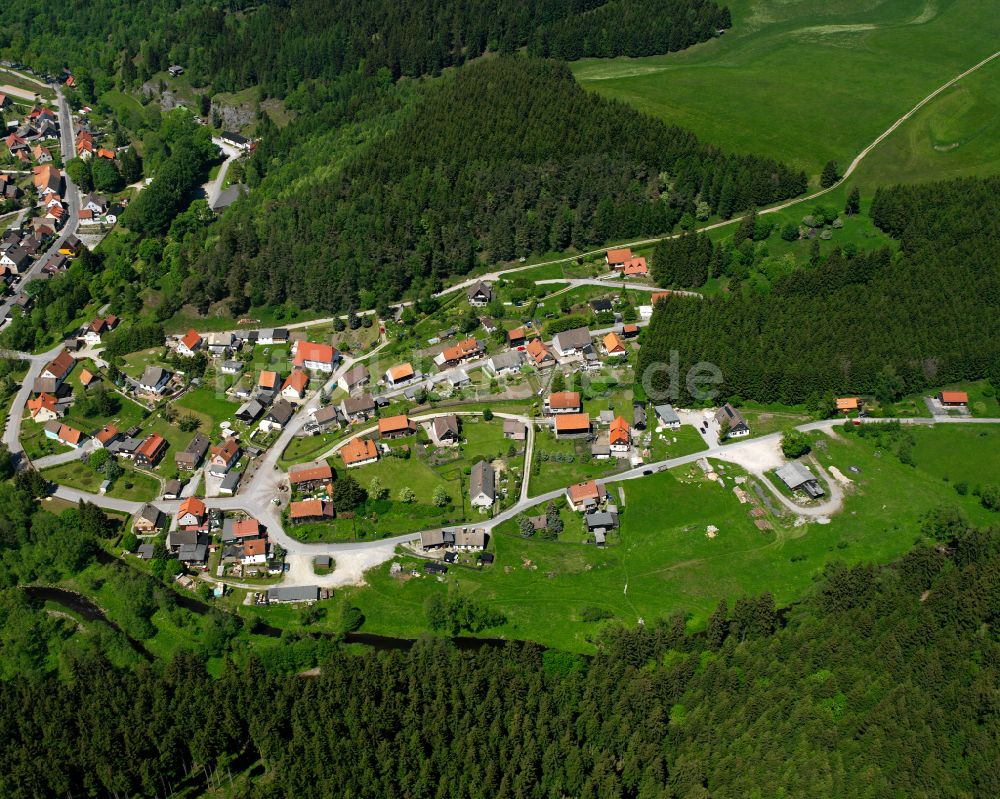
482,480
230,481
61,365
355,375
572,421
464,537
441,425
281,412
363,403
400,372
636,266
42,402
511,359
583,491
268,379
538,351
87,377
309,509
620,432
393,424
293,593
730,413
69,434
955,396
227,450
151,445
150,513
153,376
630,329
357,450
479,287
191,339
310,474
847,403
461,350
514,427
613,344
192,505
310,351
564,399
515,334
106,434
254,546
620,255
656,296
245,528
666,414
575,339
297,381
324,415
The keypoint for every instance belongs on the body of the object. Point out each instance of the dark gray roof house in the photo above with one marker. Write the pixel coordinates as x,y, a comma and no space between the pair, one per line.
230,482
193,453
482,485
293,593
572,341
737,424
193,553
280,412
445,428
796,475
480,293
153,379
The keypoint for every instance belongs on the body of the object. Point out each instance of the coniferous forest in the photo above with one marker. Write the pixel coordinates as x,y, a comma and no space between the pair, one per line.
881,683
861,322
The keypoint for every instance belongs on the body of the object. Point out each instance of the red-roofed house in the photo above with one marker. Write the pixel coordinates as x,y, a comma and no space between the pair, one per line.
150,451
616,258
295,384
396,427
190,344
316,357
358,452
310,510
572,425
620,437
43,408
584,495
953,399
191,514
635,267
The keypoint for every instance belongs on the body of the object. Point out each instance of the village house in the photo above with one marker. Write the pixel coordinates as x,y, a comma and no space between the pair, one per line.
667,417
506,363
489,325
444,430
150,451
154,379
254,551
231,367
516,337
230,482
277,416
250,411
44,408
325,417
315,357
479,294
272,335
191,515
617,258
571,342
514,430
236,140
658,296
41,155
572,425
613,346
292,593
311,478
189,344
190,459
354,378
399,375
148,520
635,267
294,387
98,327
460,353
540,355
310,510
638,416
470,540
58,368
269,383
953,399
236,531
396,427
356,409
64,434
482,485
219,344
172,489
562,402
71,247
620,438
106,436
586,495
848,404
224,457
359,452
630,330
15,260
738,427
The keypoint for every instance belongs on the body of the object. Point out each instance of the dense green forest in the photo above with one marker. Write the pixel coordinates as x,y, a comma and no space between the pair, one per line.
881,683
857,322
507,158
233,45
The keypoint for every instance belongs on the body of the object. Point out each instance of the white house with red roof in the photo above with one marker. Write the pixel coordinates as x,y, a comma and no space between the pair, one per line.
189,344
315,357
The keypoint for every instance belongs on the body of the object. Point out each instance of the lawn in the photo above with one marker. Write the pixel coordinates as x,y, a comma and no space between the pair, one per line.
135,363
805,82
208,406
34,442
666,563
302,449
548,475
982,400
132,485
764,421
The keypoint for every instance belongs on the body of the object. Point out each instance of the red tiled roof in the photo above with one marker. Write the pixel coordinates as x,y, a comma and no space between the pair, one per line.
564,399
619,256
393,424
613,344
297,380
620,431
357,450
192,505
310,473
191,339
400,372
246,528
150,446
310,351
957,397
583,491
572,422
310,509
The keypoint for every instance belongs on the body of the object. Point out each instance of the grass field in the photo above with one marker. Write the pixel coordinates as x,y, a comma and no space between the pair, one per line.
132,485
666,563
208,407
807,82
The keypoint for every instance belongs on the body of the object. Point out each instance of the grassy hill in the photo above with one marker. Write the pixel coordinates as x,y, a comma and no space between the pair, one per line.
808,82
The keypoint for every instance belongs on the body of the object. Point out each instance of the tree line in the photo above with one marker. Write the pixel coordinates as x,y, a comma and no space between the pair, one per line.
880,683
873,323
507,158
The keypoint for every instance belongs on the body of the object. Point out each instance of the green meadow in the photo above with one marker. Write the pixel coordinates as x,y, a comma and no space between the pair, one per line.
808,82
664,561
